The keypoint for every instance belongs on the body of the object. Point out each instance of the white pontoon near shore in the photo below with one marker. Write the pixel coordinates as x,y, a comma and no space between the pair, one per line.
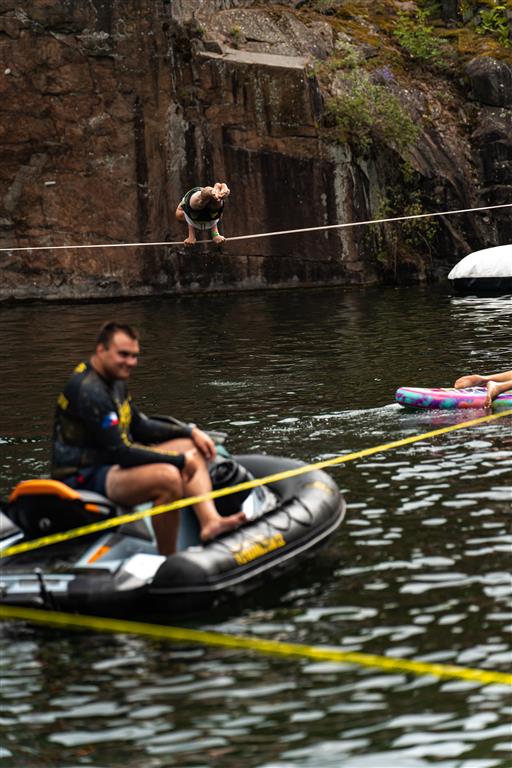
485,271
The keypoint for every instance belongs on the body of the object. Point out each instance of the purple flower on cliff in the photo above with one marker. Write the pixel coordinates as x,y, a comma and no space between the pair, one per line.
383,76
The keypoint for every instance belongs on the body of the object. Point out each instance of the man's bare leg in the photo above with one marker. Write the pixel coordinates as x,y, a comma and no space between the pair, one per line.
191,239
211,523
159,483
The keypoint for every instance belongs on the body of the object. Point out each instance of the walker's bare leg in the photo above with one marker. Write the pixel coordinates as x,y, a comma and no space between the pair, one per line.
191,239
216,237
180,215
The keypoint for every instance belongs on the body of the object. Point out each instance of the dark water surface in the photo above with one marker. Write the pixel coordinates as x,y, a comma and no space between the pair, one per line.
419,569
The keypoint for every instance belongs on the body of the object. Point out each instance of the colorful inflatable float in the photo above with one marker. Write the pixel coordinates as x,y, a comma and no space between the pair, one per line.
450,398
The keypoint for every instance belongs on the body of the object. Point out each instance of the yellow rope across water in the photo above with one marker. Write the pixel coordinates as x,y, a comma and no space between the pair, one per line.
274,647
46,541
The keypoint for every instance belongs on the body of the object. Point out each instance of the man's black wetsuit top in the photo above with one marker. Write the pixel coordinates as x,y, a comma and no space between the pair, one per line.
96,423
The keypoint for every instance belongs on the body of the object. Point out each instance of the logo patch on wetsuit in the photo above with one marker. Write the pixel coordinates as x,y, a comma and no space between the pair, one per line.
62,401
110,420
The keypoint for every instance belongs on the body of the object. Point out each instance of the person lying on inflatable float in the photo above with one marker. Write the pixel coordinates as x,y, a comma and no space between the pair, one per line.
495,383
103,443
202,208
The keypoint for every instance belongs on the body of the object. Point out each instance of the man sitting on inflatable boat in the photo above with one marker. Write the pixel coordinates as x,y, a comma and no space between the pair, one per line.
496,383
103,443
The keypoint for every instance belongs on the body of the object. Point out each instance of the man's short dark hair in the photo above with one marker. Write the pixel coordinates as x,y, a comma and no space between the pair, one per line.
108,330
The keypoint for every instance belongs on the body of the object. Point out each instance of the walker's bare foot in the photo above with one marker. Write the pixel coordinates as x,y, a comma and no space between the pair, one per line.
217,238
190,241
222,525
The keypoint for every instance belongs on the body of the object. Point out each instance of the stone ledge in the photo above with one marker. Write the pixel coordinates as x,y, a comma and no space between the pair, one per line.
261,59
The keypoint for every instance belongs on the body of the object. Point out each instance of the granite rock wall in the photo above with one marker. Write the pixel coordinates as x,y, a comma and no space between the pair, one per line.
110,111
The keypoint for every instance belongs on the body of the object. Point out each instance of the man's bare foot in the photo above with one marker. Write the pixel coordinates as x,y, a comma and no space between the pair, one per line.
190,241
492,392
217,238
222,525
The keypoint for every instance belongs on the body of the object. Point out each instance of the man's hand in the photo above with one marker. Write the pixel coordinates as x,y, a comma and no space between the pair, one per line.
469,381
203,443
191,464
220,191
217,193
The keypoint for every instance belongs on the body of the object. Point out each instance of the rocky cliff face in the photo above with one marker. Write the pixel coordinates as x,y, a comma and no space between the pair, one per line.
110,111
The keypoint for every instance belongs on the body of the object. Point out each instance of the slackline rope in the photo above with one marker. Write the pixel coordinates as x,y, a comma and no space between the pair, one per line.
247,485
261,234
203,637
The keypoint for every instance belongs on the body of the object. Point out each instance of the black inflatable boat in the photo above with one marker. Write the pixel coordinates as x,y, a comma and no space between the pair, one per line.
120,571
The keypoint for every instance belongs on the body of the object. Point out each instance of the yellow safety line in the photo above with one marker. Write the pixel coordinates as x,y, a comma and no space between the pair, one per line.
202,637
113,522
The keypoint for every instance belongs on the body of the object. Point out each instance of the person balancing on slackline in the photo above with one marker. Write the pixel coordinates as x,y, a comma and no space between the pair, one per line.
201,208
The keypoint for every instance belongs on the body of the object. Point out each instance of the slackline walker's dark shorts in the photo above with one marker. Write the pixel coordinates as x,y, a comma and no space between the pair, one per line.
90,479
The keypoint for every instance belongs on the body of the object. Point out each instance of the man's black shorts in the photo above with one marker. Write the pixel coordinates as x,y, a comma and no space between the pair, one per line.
90,479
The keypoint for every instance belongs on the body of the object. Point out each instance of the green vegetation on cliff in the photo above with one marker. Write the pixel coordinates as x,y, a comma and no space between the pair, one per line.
365,112
392,87
418,38
473,27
